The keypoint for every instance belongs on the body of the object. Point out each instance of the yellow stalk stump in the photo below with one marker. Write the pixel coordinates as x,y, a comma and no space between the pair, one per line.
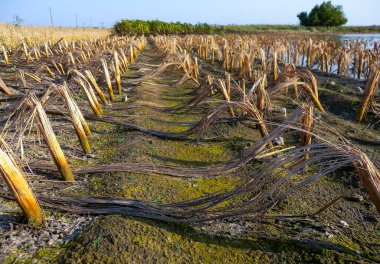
370,178
92,93
51,140
85,125
242,86
26,53
135,52
108,79
61,66
261,98
72,60
89,97
52,75
117,72
5,88
232,63
46,50
36,54
124,61
226,95
275,67
307,126
131,54
56,67
64,91
19,186
228,84
92,79
5,55
309,53
369,93
89,91
195,69
33,76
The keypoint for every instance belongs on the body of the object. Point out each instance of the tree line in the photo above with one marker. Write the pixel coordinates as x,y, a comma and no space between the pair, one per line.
325,15
136,26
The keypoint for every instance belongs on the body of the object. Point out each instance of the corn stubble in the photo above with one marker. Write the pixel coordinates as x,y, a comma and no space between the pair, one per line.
264,68
15,179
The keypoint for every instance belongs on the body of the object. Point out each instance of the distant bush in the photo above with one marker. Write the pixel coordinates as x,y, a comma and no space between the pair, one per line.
128,26
324,15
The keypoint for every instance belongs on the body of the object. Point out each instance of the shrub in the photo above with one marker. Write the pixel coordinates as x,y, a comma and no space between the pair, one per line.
325,15
128,26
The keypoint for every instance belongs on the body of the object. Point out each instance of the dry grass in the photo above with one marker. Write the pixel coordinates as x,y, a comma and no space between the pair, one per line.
11,36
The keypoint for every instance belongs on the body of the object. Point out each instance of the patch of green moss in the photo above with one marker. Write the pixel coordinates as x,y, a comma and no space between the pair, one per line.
168,189
107,184
138,241
346,242
43,255
49,254
189,153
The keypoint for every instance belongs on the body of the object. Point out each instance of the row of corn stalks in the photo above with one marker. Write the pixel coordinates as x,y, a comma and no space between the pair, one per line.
252,58
248,62
56,78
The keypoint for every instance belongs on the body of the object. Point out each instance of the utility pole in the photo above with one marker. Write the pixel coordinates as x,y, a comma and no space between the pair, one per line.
76,20
51,17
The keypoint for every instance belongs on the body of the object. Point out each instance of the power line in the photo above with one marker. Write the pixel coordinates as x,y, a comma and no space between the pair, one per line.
51,17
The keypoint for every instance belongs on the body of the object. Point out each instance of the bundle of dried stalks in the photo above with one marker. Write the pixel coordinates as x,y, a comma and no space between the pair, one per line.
302,78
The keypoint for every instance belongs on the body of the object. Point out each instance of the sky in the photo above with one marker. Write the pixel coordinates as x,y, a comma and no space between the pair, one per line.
99,13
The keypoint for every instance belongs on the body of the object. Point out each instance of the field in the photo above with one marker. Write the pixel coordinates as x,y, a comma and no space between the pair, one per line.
189,149
12,36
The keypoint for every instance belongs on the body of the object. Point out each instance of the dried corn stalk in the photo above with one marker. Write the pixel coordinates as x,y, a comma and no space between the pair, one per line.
108,79
51,140
369,93
23,194
64,91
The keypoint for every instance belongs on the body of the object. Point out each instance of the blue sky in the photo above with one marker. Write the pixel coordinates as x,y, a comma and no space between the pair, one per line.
97,12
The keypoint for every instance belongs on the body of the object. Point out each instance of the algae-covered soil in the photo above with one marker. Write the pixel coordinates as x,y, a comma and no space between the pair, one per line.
322,238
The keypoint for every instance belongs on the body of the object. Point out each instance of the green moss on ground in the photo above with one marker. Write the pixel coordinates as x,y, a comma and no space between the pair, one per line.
144,241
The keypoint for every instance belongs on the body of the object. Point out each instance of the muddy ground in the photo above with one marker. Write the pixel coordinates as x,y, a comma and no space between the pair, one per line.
349,231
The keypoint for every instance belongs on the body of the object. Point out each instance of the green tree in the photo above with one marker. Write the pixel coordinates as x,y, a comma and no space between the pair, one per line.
325,15
304,19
